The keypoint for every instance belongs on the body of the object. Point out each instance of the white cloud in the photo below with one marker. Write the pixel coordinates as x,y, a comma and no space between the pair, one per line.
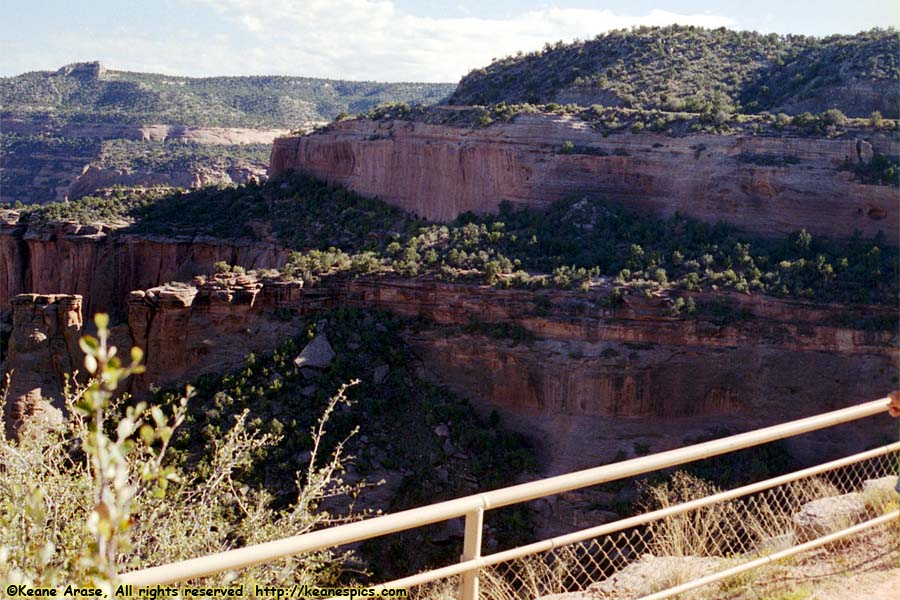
251,23
372,39
344,39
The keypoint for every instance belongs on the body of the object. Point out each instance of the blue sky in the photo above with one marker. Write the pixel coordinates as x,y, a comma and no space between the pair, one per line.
387,40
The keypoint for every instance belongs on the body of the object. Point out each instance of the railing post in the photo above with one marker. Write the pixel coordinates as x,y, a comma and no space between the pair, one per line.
468,587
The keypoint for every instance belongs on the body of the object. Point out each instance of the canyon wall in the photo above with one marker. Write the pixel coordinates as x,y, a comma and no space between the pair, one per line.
440,171
207,326
93,178
588,382
38,170
217,321
593,382
43,348
140,132
39,177
105,265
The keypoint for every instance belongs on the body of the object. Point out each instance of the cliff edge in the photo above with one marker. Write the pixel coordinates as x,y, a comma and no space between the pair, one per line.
765,184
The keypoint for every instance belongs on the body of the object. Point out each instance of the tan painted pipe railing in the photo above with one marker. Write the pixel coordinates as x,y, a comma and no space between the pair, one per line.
884,519
468,566
473,507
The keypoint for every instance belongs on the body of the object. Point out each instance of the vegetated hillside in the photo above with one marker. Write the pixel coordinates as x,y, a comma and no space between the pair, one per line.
87,92
396,413
43,168
149,156
576,243
55,121
695,69
34,167
612,119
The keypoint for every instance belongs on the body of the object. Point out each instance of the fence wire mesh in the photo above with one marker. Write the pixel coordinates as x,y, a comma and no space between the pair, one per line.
672,550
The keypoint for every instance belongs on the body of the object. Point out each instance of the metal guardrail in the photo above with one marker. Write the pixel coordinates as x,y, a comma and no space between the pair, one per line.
467,566
474,506
776,556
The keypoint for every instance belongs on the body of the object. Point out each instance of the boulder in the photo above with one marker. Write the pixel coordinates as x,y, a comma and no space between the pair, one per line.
652,573
380,374
645,576
865,151
879,494
317,354
310,373
882,484
453,529
827,515
449,448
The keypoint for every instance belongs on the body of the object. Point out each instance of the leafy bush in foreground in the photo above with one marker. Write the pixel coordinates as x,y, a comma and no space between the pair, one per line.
100,496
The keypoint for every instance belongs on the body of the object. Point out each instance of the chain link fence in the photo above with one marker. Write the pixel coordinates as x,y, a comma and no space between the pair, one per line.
684,545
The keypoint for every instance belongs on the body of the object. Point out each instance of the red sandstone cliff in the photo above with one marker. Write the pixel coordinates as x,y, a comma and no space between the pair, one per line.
42,349
188,328
93,178
591,382
439,171
595,381
593,378
207,326
105,265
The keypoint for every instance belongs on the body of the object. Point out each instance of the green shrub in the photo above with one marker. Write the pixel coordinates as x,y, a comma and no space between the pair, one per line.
719,72
101,495
569,245
833,116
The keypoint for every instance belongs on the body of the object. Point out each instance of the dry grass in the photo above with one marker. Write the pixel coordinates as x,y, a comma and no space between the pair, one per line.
733,532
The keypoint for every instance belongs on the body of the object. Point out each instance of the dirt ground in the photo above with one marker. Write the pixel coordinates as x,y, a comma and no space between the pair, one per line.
874,585
865,568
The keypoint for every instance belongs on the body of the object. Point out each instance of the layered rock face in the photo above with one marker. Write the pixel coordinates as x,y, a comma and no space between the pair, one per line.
635,373
40,177
42,349
206,326
596,382
93,178
105,265
590,383
438,172
184,329
580,359
37,171
141,132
